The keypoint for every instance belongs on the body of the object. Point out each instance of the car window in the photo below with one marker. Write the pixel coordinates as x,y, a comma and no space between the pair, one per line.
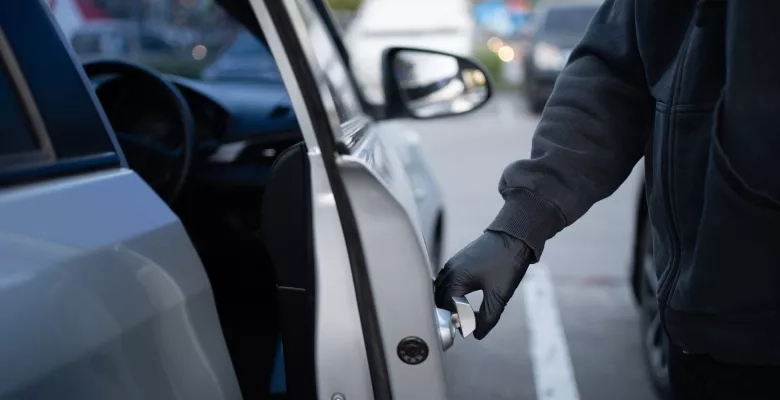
45,132
246,44
86,43
153,43
568,19
245,59
17,136
329,59
183,38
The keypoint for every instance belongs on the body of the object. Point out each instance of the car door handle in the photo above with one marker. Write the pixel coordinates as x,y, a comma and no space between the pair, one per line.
462,320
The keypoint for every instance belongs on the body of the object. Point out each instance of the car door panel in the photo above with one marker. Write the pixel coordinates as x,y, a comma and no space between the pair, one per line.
343,359
374,287
348,360
107,297
400,279
402,141
383,161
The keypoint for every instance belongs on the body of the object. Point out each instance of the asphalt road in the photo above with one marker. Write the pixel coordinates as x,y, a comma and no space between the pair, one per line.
587,264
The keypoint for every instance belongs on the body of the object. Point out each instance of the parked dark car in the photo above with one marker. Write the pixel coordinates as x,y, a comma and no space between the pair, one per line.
555,29
645,285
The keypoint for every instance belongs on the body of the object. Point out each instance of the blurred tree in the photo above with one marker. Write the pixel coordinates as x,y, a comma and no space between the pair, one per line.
344,5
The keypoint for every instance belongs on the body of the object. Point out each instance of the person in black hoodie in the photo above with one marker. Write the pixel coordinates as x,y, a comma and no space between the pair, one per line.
694,87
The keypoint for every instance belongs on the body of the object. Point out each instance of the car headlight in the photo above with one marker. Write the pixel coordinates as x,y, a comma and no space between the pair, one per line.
548,57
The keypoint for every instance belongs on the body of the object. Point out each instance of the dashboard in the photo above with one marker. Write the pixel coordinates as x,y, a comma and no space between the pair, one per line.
240,127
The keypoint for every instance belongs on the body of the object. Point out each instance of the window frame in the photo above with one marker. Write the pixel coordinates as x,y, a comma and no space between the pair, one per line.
56,131
375,111
21,93
362,114
335,64
316,114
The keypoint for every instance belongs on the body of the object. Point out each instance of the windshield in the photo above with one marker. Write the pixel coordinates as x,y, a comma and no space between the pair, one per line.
86,43
188,38
247,44
569,19
246,58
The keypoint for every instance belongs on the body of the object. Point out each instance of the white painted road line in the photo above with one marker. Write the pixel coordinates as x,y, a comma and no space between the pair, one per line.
553,372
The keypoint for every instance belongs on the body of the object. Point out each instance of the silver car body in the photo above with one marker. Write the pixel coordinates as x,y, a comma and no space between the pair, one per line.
104,296
404,142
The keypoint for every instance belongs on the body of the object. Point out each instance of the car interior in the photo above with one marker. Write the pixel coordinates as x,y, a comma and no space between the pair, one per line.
240,185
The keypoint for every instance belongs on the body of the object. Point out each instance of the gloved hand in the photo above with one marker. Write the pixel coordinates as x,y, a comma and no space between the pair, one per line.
495,263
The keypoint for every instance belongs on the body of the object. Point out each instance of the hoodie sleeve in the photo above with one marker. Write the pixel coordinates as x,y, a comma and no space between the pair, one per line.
593,131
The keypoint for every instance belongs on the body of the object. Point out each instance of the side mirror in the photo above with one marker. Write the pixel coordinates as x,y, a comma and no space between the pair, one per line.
430,84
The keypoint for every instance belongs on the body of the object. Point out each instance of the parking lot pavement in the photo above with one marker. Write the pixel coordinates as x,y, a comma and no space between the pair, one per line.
571,331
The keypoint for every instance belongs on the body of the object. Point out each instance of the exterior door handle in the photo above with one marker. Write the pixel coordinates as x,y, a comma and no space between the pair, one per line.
462,320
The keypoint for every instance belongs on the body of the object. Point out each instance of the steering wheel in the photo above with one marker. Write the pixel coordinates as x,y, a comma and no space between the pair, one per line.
163,162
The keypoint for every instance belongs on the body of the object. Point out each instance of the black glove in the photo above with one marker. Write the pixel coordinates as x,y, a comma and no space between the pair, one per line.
494,263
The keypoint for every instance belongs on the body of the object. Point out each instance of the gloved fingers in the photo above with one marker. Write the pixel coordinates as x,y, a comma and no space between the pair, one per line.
440,276
452,283
493,305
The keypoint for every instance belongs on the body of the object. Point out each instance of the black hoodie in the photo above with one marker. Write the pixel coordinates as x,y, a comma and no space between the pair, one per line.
694,87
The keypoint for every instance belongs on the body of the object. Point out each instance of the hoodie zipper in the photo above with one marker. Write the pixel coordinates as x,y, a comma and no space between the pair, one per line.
707,12
667,155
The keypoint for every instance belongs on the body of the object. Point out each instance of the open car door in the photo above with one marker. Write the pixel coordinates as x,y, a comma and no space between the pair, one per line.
360,322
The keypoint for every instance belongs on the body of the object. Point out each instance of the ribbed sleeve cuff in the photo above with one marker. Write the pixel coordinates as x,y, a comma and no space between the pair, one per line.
530,218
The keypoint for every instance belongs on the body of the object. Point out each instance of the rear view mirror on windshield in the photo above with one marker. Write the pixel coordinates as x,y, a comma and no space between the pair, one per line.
430,84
